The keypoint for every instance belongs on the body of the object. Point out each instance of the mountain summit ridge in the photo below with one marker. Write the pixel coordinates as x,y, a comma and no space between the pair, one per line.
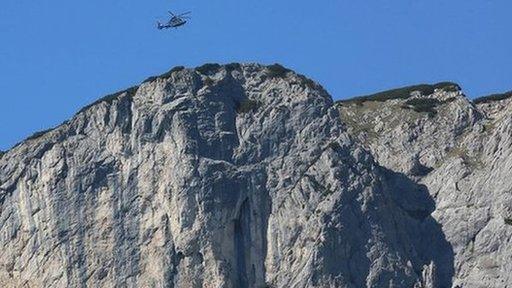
402,91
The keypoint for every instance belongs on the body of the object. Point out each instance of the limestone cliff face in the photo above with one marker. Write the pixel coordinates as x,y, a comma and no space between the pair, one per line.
250,176
462,153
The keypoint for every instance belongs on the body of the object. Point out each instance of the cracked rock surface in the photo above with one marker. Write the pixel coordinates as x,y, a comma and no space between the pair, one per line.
462,154
246,175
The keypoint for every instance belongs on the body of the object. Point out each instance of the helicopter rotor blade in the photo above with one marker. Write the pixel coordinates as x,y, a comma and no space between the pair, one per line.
172,14
186,13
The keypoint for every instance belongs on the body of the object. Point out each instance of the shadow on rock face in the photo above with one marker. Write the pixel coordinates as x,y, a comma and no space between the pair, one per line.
384,236
428,239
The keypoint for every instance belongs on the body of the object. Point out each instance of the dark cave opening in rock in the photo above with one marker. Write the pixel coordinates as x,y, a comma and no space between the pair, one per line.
243,246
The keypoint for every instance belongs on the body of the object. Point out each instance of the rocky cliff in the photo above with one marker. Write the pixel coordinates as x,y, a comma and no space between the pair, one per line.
251,176
461,153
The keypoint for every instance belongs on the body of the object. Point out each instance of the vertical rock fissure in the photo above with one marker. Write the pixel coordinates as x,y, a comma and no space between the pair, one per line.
243,245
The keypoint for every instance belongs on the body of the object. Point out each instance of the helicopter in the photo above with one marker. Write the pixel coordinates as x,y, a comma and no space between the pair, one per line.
175,21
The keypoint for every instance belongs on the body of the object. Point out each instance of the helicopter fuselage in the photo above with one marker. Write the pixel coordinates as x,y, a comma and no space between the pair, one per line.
171,25
175,21
178,24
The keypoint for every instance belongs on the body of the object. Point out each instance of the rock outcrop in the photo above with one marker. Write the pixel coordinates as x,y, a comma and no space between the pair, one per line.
461,153
250,176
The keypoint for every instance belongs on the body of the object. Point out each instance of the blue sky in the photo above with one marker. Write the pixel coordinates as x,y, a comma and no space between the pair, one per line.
57,56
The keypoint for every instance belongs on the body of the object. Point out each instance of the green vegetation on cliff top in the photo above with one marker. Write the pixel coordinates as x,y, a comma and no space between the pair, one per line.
403,93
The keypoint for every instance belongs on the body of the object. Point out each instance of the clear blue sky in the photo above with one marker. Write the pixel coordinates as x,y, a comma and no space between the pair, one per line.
57,56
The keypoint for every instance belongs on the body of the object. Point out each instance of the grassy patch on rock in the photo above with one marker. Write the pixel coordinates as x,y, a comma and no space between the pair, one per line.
247,106
208,81
38,134
233,66
473,162
427,105
209,68
110,98
493,98
277,71
165,75
404,92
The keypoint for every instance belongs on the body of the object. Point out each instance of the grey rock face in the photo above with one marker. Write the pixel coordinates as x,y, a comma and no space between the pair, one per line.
461,153
247,176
